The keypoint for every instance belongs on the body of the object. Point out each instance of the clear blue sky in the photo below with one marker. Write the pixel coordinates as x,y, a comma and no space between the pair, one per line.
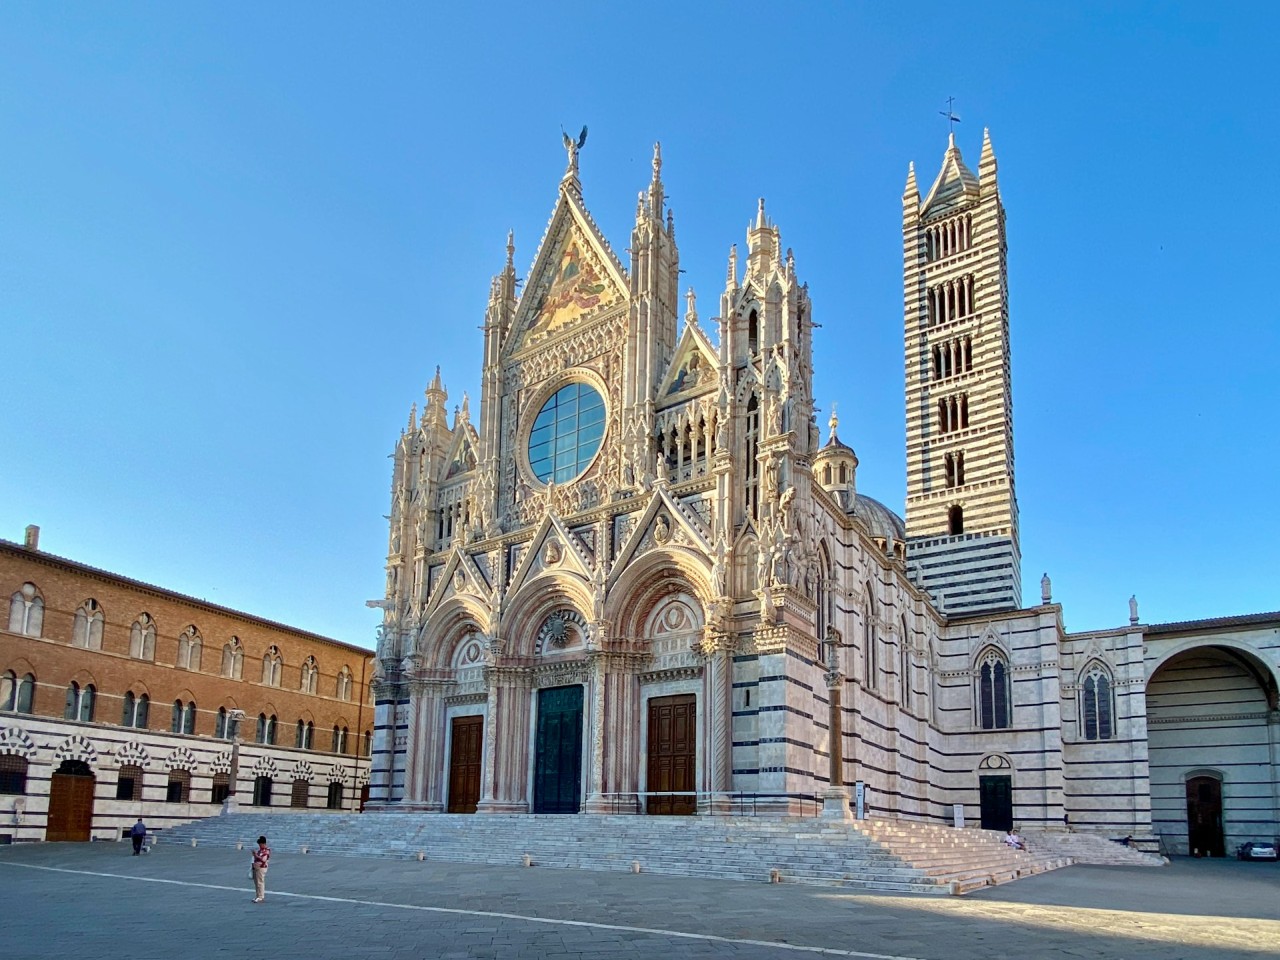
236,239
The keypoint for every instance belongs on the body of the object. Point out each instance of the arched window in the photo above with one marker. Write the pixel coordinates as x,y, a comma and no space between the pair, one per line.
870,658
190,648
955,520
753,333
142,638
300,795
993,692
80,702
175,722
1096,709
339,739
308,735
26,611
271,730
334,800
232,659
135,710
87,630
189,718
272,666
17,695
904,664
220,725
261,736
366,746
344,684
310,674
751,466
300,735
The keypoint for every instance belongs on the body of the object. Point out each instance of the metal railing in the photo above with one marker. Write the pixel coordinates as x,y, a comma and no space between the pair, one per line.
723,803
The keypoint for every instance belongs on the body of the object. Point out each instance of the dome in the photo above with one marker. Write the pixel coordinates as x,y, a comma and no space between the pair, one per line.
881,522
835,466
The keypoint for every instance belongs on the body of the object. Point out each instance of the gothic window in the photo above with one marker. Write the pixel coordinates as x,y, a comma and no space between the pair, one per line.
266,728
272,667
302,736
220,724
80,702
184,717
142,638
366,743
751,467
26,611
870,660
344,684
1096,706
339,739
13,774
87,630
178,789
993,692
232,659
904,664
753,333
955,520
17,695
310,675
129,783
566,433
135,710
190,649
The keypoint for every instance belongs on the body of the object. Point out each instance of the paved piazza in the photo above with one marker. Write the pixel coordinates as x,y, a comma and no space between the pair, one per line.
96,900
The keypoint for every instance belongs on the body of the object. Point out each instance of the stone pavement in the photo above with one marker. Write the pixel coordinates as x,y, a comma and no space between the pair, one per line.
96,900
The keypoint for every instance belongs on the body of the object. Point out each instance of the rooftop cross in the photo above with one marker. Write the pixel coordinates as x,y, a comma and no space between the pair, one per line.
949,113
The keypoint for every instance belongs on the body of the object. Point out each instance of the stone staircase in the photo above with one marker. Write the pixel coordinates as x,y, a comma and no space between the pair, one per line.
901,856
1090,848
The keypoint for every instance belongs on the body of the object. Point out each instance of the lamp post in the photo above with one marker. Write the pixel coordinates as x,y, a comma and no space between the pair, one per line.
231,804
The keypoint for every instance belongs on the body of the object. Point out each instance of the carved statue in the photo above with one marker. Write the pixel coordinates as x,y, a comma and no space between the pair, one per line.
1133,609
662,529
572,149
784,505
1046,589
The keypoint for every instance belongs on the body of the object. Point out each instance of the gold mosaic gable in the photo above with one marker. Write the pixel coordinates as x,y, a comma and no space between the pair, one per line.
573,280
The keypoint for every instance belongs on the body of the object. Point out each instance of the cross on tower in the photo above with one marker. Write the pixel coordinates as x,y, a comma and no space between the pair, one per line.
952,119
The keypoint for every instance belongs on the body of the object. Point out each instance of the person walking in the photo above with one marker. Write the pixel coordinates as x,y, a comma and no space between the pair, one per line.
261,857
139,836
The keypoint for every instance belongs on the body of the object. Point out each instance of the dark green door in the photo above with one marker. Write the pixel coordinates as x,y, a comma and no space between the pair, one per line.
997,802
557,769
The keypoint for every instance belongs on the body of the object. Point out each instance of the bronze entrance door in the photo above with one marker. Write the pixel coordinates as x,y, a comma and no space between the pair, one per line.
464,764
557,769
672,754
1204,817
996,796
71,802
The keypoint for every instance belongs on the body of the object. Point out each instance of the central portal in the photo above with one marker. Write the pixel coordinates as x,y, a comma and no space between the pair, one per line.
672,755
557,771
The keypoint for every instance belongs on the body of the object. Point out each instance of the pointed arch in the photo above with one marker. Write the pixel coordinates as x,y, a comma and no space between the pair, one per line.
142,638
993,701
26,611
1097,701
870,642
86,631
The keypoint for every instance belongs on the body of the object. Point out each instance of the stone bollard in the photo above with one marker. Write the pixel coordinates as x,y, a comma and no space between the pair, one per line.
775,875
528,860
304,849
421,856
239,844
635,866
193,841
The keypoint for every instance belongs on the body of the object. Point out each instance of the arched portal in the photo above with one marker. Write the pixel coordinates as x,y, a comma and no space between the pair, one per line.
71,802
1210,749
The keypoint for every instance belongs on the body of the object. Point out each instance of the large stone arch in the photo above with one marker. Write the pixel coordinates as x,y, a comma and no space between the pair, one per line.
651,579
455,620
1209,700
535,601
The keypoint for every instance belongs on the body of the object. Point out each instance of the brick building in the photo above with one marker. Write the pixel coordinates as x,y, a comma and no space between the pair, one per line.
120,699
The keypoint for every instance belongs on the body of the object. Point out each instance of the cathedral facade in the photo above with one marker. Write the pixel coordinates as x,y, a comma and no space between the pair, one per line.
639,581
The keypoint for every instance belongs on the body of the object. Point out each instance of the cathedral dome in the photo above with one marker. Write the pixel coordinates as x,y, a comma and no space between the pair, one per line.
881,522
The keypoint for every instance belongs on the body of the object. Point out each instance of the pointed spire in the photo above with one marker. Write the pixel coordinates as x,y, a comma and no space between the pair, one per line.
671,224
833,423
912,190
655,185
760,219
413,416
466,408
987,162
691,308
657,161
511,249
731,275
436,386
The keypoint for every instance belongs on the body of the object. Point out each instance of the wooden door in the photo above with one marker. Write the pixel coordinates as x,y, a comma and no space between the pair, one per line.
557,771
672,754
996,794
1204,817
464,764
71,802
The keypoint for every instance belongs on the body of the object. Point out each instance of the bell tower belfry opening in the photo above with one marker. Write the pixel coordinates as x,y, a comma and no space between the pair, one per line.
962,509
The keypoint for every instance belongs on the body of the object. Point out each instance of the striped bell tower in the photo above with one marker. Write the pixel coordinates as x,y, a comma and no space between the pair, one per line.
962,510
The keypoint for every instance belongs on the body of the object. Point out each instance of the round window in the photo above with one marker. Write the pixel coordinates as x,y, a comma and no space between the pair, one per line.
566,433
